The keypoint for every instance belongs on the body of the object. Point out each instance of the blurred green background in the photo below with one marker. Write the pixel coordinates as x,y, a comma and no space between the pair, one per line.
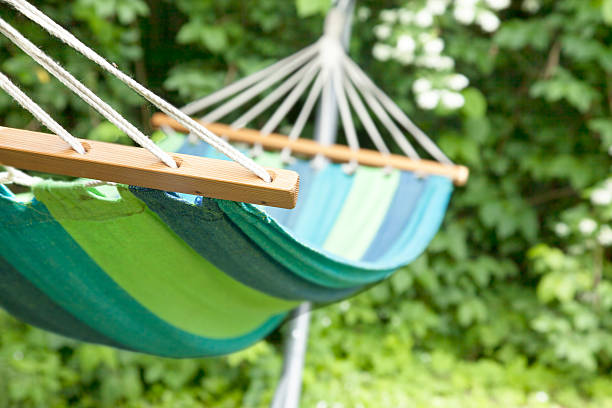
511,304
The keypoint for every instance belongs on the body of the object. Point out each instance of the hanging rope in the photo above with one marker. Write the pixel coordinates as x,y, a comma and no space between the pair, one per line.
397,113
42,116
194,127
14,176
83,92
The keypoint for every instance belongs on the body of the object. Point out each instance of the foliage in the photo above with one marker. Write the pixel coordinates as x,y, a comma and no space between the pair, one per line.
511,303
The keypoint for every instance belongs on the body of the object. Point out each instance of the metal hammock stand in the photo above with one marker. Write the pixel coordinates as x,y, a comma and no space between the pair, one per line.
338,85
289,388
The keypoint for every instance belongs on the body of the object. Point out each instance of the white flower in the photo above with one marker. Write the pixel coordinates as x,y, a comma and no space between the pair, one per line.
404,58
561,229
457,82
406,44
601,196
322,404
434,46
363,13
382,52
428,99
424,37
441,63
452,100
382,31
488,21
498,4
326,321
436,62
541,397
605,236
587,226
421,85
423,18
531,6
436,7
406,16
388,16
345,305
575,250
464,15
466,3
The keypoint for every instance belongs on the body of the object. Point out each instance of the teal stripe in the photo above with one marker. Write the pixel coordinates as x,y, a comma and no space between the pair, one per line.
57,266
363,212
322,267
322,205
139,252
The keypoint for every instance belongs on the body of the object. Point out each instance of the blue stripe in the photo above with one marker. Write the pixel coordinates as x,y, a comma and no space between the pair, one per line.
399,212
323,204
288,218
423,226
200,149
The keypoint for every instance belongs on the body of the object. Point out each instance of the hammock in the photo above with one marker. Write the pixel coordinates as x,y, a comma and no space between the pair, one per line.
182,275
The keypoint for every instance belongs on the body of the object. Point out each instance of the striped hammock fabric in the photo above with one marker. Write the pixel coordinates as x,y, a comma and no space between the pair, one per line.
183,276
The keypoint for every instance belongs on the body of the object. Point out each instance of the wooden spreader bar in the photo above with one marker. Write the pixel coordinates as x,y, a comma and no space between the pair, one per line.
338,153
137,166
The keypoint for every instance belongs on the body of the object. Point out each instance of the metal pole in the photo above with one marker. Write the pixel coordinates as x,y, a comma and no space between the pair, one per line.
289,387
326,121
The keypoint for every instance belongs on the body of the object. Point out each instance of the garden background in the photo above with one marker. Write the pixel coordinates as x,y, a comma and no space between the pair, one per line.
512,303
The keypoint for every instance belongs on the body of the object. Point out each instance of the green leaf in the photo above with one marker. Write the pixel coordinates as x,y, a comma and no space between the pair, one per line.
475,103
606,11
308,8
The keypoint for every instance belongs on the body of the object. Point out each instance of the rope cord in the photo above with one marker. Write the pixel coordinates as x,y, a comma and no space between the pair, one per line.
42,116
347,119
194,127
383,116
14,176
255,90
223,93
362,113
288,103
83,92
397,113
275,95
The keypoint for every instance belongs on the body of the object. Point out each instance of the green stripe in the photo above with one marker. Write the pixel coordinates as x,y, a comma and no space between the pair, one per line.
270,159
157,268
172,141
363,212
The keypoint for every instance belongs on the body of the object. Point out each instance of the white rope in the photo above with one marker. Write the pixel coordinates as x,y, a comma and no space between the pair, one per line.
365,118
311,100
288,103
42,116
83,92
399,115
383,116
275,95
14,176
255,90
223,93
304,114
194,127
97,183
347,119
